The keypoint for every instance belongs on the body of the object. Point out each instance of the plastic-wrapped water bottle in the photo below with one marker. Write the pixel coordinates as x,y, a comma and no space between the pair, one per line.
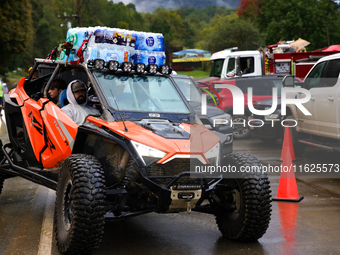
149,42
121,37
151,57
111,55
160,42
99,35
109,36
132,37
127,54
95,53
138,57
87,53
161,58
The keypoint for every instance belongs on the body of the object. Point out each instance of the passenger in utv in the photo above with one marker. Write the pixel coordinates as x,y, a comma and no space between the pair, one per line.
77,109
57,86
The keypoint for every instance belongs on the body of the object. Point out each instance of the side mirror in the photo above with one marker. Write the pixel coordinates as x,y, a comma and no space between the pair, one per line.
288,81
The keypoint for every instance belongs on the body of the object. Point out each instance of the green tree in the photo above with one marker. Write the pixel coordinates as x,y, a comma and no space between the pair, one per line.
229,31
124,17
162,26
311,20
123,25
42,40
16,30
177,32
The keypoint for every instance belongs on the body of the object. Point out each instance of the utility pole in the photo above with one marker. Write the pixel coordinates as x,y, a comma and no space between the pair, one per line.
66,17
79,13
76,16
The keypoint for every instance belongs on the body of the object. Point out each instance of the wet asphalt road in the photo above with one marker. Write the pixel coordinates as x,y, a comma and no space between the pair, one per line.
311,226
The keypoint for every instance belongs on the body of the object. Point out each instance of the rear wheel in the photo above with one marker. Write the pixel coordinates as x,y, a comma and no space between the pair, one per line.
79,211
240,127
245,203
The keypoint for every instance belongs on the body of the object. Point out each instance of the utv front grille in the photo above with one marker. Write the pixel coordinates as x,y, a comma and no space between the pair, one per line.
166,172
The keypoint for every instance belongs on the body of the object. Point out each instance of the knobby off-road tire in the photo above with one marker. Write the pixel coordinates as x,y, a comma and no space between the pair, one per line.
79,211
252,200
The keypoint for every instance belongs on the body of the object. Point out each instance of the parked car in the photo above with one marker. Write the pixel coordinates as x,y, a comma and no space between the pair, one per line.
214,115
262,89
267,128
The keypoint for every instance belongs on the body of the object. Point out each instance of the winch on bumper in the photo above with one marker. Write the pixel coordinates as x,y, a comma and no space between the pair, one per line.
184,200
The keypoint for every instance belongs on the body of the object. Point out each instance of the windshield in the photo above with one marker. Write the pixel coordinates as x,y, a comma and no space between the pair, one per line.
261,87
216,68
189,89
146,93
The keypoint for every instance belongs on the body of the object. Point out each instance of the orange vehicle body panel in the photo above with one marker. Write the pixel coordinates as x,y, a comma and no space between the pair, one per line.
193,146
19,93
42,101
50,130
34,125
31,116
61,132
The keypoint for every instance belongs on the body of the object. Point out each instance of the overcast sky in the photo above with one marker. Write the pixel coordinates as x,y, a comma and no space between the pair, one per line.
150,5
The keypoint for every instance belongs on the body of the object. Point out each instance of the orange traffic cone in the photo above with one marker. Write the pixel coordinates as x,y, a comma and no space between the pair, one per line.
287,190
288,142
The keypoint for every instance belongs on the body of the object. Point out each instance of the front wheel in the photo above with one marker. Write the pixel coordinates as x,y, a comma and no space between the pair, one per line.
240,127
79,211
244,211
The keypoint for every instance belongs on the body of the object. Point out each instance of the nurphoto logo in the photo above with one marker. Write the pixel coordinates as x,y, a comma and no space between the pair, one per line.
238,103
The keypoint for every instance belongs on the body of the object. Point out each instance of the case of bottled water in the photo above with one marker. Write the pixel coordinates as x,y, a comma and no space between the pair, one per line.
149,42
149,57
116,44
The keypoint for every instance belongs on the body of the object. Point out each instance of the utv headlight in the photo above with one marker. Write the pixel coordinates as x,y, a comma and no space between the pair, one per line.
113,65
99,64
223,119
147,151
213,154
126,67
139,68
151,68
164,69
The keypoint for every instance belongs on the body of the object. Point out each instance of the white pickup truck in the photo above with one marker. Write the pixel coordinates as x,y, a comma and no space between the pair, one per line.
322,127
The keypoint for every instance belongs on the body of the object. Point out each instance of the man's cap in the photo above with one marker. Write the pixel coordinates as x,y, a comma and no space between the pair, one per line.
78,85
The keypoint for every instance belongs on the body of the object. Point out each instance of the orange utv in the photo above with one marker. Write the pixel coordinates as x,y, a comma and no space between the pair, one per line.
146,152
